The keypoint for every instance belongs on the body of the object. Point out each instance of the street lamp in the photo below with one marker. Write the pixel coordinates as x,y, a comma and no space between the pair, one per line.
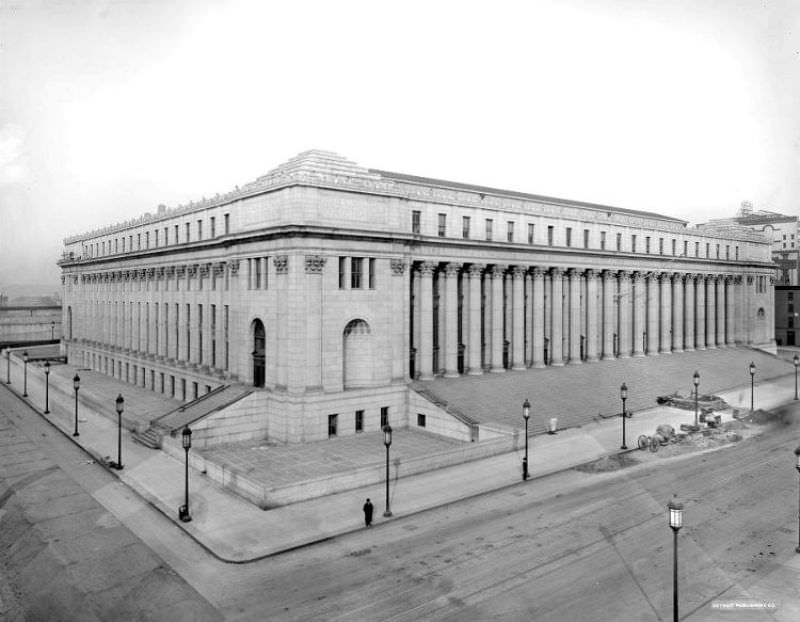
623,393
797,466
76,384
752,385
47,387
675,522
696,381
796,361
120,407
526,413
52,330
387,441
25,374
186,439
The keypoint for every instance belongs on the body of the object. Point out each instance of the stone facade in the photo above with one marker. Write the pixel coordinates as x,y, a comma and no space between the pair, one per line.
329,287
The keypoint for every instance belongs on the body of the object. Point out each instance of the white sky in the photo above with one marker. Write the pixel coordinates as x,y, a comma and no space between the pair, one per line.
683,107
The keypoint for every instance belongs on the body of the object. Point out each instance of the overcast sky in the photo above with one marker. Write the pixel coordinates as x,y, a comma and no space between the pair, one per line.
109,108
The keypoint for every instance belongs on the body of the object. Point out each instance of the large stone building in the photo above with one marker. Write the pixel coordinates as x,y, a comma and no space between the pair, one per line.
328,286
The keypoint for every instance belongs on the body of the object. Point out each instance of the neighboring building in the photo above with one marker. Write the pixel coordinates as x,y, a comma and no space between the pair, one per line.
787,315
784,231
328,287
28,325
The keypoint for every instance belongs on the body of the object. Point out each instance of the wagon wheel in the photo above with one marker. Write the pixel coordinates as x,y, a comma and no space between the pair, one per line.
643,441
654,443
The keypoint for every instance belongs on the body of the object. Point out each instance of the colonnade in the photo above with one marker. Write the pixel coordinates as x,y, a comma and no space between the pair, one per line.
472,318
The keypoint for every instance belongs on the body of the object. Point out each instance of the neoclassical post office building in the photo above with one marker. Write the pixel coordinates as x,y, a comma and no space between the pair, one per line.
328,288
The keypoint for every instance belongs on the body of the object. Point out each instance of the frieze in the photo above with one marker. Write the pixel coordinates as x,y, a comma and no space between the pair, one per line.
398,267
314,264
180,271
281,263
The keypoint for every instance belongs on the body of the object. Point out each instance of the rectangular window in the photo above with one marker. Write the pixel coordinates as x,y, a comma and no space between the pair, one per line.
116,245
359,421
685,248
530,233
156,238
249,274
188,331
138,241
660,246
166,329
697,249
183,389
147,327
147,239
194,390
442,225
166,236
415,218
489,228
123,243
152,380
103,247
708,250
569,236
172,386
647,244
188,232
633,243
420,420
213,227
199,229
177,330
372,273
384,416
602,240
585,238
510,233
736,248
227,224
717,250
619,241
155,329
549,235
213,321
465,227
266,272
177,241
790,306
226,331
199,333
161,379
342,272
257,277
333,421
727,251
356,264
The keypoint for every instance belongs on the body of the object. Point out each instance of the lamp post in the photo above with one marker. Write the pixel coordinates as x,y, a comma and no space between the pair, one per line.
387,441
8,366
623,394
526,413
25,374
186,440
797,466
47,387
120,402
52,330
696,381
76,384
752,384
796,361
675,522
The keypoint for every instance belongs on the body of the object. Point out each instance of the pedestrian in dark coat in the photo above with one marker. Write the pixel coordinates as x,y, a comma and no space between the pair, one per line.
368,513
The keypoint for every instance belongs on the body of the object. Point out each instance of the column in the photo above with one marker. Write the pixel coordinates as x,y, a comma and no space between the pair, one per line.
688,307
711,312
700,313
677,312
609,317
721,311
538,318
518,319
591,316
451,320
401,299
557,318
625,304
652,314
528,312
474,275
574,317
497,318
639,298
314,267
666,313
426,320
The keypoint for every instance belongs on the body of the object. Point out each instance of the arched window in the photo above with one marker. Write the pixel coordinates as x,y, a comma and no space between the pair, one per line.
760,314
259,347
357,355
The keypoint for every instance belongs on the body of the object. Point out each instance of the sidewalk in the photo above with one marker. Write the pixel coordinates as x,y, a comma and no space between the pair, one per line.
234,530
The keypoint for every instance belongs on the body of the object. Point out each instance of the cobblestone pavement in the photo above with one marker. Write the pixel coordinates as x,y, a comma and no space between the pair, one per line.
282,464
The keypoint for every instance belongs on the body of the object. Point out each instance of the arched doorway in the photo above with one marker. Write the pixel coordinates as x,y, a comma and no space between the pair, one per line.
259,346
357,354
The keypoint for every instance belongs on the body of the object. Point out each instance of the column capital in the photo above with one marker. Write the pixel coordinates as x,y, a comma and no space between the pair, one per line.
314,264
452,269
518,271
538,272
624,275
476,269
638,276
281,263
591,274
426,268
666,277
398,267
496,271
233,266
556,272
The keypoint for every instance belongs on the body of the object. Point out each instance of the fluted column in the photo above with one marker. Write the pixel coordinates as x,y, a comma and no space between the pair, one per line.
689,310
592,314
426,320
609,317
538,318
666,313
518,319
574,317
652,314
474,274
721,312
700,315
557,318
677,312
497,275
451,320
711,312
639,298
625,302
